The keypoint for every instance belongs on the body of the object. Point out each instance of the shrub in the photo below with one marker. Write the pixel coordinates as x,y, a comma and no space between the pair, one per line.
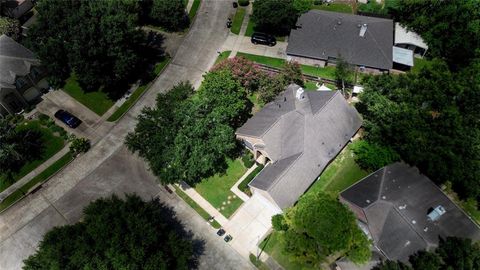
243,70
279,223
372,156
244,185
247,159
79,145
243,3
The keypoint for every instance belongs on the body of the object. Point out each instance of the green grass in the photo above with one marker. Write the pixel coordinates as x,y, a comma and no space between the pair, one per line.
193,9
216,189
264,60
52,144
341,173
196,207
336,7
238,20
222,56
257,104
274,245
96,101
137,93
41,177
258,263
325,72
243,186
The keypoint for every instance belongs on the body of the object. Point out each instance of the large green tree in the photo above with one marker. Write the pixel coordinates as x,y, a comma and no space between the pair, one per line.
319,226
190,138
430,118
98,40
17,147
117,234
10,27
450,28
169,14
273,16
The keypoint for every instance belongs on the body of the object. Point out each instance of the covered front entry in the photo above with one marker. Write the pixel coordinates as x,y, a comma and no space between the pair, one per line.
251,223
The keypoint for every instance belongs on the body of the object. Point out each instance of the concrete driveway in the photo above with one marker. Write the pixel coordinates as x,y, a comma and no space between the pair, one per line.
56,100
250,224
60,201
243,44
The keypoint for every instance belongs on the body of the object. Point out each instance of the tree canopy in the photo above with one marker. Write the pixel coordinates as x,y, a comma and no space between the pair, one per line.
273,16
98,40
429,118
17,147
455,39
169,14
319,226
188,137
118,234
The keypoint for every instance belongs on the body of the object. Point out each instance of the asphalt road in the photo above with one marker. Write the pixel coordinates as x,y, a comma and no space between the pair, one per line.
109,168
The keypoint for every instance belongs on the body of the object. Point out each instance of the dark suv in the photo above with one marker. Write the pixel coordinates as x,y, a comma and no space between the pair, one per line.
262,38
67,118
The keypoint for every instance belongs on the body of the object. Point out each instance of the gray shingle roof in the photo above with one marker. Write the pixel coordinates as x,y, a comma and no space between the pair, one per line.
15,60
301,138
399,199
325,34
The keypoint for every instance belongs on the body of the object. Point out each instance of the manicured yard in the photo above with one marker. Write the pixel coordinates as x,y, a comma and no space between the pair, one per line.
97,101
326,72
216,189
243,186
52,144
341,173
137,93
336,7
196,207
41,177
274,245
264,60
194,9
237,20
222,56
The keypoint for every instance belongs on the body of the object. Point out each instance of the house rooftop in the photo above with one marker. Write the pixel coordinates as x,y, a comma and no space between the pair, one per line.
360,40
396,201
301,131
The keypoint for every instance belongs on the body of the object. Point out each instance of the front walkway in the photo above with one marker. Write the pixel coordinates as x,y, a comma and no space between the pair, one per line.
237,191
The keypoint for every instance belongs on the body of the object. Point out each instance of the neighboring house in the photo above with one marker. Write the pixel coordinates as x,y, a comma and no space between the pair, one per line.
15,9
404,212
321,37
299,134
22,79
409,40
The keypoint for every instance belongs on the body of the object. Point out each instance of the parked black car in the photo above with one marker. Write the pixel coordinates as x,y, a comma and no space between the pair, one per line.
228,238
67,118
220,232
262,38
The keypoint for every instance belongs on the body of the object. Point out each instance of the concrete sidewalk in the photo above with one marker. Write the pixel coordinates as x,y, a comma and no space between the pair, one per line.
237,191
193,194
20,183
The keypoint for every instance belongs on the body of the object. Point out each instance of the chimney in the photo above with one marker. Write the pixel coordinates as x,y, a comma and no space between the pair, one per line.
363,30
300,95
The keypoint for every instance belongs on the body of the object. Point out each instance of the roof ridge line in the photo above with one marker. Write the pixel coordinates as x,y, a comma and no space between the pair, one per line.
288,168
378,46
328,101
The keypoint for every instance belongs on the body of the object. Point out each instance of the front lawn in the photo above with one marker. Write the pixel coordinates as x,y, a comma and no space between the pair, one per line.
216,189
274,245
238,20
193,10
96,101
222,56
341,173
40,178
335,7
51,143
196,207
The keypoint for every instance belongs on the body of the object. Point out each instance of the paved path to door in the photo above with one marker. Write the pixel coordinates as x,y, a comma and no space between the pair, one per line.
100,171
237,191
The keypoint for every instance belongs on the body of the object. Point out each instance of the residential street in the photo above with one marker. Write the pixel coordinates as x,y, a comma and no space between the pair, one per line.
109,168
